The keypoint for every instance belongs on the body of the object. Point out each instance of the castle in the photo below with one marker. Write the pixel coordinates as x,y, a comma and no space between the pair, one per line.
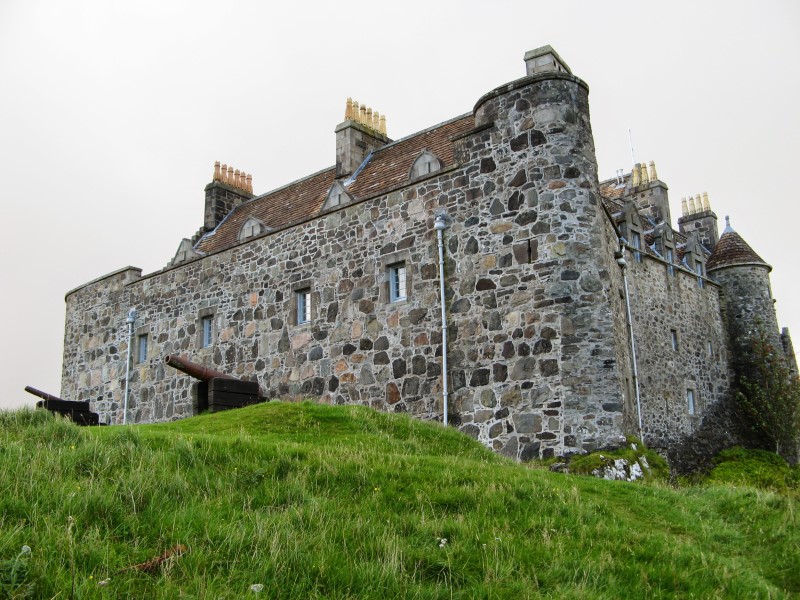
574,314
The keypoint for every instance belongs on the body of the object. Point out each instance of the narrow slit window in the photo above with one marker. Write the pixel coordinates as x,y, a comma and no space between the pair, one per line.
690,401
636,240
303,298
397,282
141,349
673,336
207,332
698,267
670,262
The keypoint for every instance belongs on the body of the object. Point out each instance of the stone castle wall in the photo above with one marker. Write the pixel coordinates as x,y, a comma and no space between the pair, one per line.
662,303
749,303
536,367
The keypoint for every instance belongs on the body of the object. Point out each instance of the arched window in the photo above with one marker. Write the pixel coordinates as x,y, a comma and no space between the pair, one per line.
425,163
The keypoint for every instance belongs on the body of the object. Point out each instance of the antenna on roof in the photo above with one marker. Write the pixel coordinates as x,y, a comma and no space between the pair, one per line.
630,141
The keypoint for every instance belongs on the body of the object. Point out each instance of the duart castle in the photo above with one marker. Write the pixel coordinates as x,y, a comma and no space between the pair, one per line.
477,272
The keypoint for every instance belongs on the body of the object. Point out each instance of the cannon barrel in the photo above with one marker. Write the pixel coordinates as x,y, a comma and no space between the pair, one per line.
43,395
197,371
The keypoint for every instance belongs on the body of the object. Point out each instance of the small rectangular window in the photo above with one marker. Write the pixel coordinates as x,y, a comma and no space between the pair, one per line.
637,244
673,336
397,282
303,301
698,267
710,348
141,349
670,262
690,405
207,332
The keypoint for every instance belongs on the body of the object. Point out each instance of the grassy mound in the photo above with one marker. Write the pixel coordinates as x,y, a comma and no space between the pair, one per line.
755,468
310,501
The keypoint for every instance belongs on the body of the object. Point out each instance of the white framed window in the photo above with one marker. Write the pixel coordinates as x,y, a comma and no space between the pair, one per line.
141,348
397,282
698,268
673,337
690,402
303,305
207,331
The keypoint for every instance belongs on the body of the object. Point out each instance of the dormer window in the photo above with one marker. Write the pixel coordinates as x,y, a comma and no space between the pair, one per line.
425,164
337,196
630,226
251,228
184,254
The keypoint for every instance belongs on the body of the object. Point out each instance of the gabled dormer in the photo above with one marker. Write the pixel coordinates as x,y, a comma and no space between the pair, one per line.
694,257
252,227
337,196
184,254
664,245
425,164
630,227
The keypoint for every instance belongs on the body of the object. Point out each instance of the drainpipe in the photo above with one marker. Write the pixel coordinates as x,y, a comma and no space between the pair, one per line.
440,224
131,319
624,265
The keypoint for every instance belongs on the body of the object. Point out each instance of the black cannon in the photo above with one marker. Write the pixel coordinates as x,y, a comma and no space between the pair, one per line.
215,390
78,412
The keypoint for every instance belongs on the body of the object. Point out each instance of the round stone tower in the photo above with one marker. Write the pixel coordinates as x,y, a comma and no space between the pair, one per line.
744,276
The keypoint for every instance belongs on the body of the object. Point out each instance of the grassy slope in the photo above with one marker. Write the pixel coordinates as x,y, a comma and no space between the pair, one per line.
342,502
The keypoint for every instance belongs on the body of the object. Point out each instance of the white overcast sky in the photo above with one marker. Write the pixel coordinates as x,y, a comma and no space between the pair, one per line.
112,114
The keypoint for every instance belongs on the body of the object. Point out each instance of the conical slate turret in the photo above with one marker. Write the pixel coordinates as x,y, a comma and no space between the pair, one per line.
731,250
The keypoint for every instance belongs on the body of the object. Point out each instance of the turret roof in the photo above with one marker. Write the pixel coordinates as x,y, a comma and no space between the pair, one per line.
731,250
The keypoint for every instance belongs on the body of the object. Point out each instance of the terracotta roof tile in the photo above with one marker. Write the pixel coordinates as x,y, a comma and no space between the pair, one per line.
731,250
389,167
275,209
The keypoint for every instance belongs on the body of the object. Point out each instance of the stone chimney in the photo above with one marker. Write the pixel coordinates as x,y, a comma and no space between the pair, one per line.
698,218
649,192
544,59
361,132
229,188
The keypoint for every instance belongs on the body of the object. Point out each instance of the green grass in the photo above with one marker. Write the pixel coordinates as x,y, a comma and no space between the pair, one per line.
755,468
313,501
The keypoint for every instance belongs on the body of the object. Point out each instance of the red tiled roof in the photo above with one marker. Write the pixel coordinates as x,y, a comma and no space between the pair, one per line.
389,167
275,209
611,190
732,250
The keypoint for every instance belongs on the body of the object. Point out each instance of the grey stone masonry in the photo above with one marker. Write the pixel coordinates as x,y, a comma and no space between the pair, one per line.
339,302
682,347
533,362
221,199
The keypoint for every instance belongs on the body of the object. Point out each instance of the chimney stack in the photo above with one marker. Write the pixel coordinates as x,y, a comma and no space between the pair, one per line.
362,131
